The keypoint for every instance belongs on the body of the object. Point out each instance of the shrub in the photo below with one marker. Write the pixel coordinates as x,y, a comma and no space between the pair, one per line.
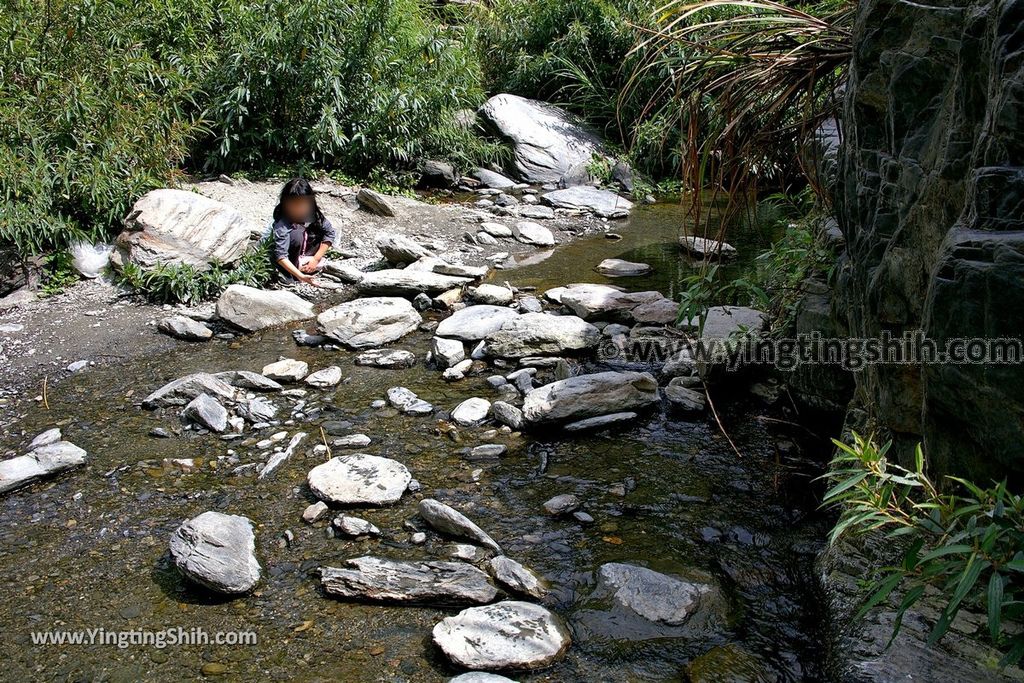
969,545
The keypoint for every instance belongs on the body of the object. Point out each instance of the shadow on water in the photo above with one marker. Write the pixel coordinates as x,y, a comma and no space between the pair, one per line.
89,549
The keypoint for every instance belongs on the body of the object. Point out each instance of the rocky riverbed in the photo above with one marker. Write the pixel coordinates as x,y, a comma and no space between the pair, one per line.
560,493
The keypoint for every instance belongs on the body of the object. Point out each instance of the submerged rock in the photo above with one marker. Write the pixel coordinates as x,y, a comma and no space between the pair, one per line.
254,309
506,635
450,521
217,551
359,479
371,322
562,504
586,396
539,334
45,458
372,578
601,422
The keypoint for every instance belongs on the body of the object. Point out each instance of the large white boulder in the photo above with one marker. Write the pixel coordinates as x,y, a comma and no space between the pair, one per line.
217,551
548,145
541,334
170,226
603,302
473,323
253,309
584,396
359,479
369,323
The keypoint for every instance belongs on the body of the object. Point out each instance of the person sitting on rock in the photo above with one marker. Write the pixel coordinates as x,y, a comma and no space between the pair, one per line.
301,235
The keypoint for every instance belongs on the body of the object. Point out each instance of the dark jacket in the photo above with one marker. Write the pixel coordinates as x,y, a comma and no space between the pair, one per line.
287,240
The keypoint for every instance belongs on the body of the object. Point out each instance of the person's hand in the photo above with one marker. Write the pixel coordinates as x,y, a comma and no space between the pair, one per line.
310,266
304,278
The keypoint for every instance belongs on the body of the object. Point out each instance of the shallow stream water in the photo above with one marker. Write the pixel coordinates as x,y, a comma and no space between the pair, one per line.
89,549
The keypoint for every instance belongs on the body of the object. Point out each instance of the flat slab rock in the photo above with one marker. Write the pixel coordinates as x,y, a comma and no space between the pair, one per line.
586,396
473,323
516,578
359,479
185,328
541,334
254,309
387,358
405,282
182,390
45,459
614,267
652,595
372,578
603,302
706,248
601,422
448,520
370,322
603,203
217,551
506,635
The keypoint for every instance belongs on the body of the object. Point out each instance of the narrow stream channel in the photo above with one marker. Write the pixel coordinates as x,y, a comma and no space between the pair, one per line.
89,550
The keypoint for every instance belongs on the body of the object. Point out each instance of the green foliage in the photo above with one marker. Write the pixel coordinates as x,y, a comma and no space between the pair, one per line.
969,545
179,283
703,289
58,273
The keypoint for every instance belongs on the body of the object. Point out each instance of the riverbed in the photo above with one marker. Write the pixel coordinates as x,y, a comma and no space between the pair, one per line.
89,549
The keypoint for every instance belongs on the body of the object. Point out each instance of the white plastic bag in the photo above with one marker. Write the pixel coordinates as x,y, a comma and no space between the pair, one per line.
90,260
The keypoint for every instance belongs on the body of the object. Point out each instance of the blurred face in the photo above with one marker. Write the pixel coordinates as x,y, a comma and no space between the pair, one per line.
298,209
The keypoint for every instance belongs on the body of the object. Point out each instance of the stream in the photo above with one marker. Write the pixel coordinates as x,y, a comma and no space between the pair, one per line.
89,549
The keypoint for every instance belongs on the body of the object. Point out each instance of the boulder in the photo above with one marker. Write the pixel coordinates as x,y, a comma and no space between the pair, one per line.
43,460
657,312
649,594
516,578
706,248
492,179
507,414
376,203
604,203
169,226
405,282
493,295
447,352
253,309
461,270
326,378
614,267
207,412
185,328
407,402
541,334
585,396
532,233
473,323
471,412
450,521
184,389
399,249
602,302
217,551
387,358
506,635
359,479
683,398
245,379
286,370
376,579
730,322
547,143
438,174
371,322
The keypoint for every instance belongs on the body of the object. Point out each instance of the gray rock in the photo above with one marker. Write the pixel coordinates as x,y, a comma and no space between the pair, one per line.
257,410
538,334
184,389
399,249
406,401
585,198
471,412
217,551
479,677
405,282
352,441
489,294
377,579
50,436
450,521
326,378
562,504
537,212
376,203
506,635
205,411
601,422
254,309
530,304
683,398
386,358
706,248
354,526
438,174
532,233
516,578
507,414
654,596
461,270
659,311
245,379
547,142
602,302
169,226
496,229
447,352
487,451
183,327
286,370
315,512
473,323
368,323
585,396
492,179
359,479
614,267
43,460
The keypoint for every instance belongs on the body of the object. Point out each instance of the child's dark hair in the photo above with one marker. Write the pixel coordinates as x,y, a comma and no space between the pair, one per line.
300,187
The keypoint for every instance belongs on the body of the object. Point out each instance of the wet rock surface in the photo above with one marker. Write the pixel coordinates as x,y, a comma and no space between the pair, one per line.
359,479
372,578
217,551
